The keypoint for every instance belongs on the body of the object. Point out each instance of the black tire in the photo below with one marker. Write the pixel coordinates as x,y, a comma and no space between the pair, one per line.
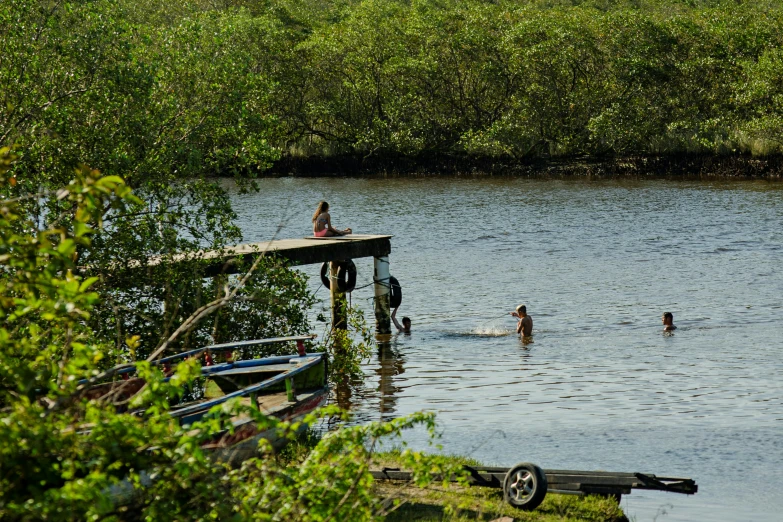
325,275
525,486
395,292
346,276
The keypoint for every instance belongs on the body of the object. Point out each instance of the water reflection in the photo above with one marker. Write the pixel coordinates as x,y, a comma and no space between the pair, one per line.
391,364
343,394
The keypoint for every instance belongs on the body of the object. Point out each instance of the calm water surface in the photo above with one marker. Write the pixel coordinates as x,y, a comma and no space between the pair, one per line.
596,263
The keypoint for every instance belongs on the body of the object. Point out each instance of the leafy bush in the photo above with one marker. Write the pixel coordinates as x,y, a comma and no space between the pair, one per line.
72,454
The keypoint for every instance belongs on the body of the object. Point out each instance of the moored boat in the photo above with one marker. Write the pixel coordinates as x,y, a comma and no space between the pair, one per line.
286,387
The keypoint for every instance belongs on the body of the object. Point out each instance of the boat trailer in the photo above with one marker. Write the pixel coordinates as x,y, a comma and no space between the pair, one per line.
525,485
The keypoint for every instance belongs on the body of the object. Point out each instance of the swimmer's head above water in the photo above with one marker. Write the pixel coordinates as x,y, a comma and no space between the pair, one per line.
525,324
668,322
406,325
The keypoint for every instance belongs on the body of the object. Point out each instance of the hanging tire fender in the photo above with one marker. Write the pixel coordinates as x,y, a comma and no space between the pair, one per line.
395,292
346,275
325,275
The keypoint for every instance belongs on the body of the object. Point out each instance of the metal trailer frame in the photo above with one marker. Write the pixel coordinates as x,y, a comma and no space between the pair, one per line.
525,485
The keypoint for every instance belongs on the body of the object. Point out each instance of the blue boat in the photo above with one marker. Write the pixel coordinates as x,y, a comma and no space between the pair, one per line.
286,387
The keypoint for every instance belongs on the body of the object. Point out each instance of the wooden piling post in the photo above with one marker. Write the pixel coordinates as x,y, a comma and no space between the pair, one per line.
382,298
339,304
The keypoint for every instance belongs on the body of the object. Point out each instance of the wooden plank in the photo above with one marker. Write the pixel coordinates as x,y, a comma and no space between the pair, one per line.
301,251
487,480
289,390
557,478
391,474
565,491
268,368
475,479
283,367
205,405
349,237
590,473
565,486
676,485
597,490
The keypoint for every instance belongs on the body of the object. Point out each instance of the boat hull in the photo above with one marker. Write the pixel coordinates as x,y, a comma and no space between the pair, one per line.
234,448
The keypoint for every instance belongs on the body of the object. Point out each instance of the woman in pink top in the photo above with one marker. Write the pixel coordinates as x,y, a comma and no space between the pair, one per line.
322,222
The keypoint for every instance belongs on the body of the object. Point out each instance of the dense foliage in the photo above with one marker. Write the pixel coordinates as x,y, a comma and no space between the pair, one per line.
530,79
159,95
153,90
69,454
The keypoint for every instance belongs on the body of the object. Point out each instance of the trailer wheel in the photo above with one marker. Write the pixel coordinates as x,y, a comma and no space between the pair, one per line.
525,486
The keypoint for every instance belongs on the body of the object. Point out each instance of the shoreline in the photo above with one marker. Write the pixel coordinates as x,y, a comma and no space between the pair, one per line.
668,166
456,503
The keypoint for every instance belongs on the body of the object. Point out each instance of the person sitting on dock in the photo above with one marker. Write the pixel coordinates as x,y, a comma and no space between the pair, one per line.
525,324
405,327
322,222
668,322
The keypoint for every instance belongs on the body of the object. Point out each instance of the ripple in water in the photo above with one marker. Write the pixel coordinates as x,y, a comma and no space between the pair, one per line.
489,331
596,264
486,330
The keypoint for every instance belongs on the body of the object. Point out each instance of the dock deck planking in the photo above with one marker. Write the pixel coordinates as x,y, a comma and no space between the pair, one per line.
298,251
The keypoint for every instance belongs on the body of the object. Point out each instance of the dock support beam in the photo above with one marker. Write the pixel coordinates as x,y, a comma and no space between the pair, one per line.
382,301
339,305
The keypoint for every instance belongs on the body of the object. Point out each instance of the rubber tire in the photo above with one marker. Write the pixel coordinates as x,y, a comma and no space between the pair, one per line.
539,487
325,275
346,276
395,292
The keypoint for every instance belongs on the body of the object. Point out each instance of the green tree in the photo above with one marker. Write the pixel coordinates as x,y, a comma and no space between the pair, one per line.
73,454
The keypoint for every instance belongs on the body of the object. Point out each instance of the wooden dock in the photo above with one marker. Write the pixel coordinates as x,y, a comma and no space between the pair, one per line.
304,251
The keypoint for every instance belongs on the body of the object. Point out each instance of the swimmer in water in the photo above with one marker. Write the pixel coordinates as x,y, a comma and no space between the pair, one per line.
668,322
405,327
525,324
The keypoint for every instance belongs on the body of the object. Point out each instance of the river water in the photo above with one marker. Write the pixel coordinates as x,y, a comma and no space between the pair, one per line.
596,263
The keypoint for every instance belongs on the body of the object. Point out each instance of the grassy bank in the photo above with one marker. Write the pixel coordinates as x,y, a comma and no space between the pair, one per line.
403,502
455,503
